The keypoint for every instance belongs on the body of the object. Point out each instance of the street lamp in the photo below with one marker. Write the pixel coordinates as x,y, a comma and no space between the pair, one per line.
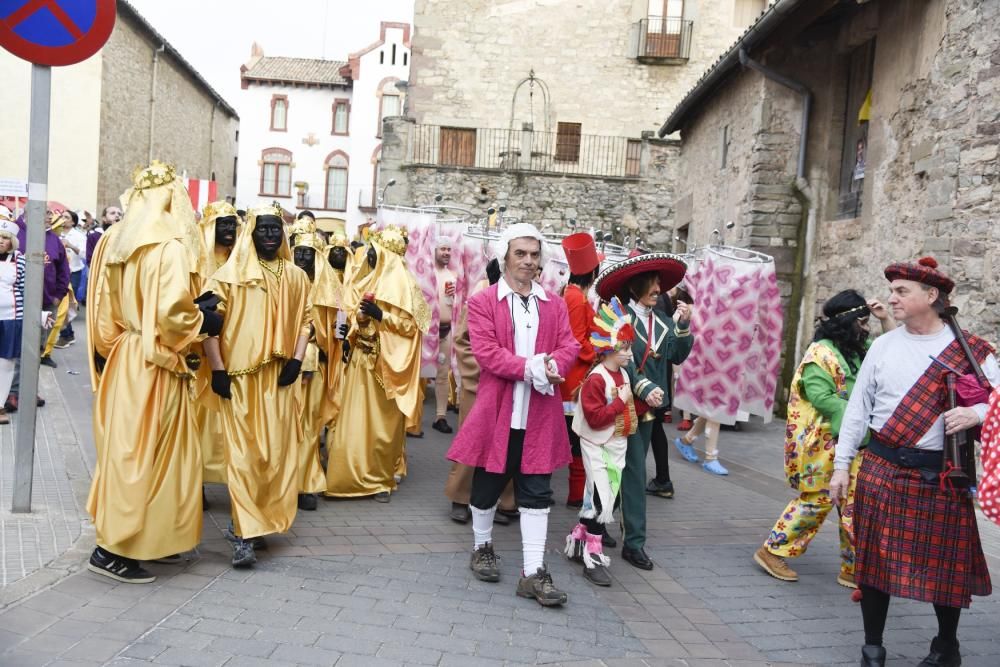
381,197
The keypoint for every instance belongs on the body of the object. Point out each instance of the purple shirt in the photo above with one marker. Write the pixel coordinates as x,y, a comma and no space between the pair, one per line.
56,265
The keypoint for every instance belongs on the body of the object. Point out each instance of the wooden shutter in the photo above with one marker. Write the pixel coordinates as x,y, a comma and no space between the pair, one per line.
633,157
458,147
568,142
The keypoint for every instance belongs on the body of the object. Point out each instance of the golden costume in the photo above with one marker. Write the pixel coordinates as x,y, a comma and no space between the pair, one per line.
208,410
381,383
142,320
266,309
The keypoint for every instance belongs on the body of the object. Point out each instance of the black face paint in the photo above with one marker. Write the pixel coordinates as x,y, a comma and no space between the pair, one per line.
225,231
372,258
305,259
338,258
267,236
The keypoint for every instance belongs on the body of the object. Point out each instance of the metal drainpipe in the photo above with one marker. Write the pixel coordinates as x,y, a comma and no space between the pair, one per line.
211,137
805,196
152,99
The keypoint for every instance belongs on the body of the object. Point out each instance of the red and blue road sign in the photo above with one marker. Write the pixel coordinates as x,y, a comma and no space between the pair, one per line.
55,32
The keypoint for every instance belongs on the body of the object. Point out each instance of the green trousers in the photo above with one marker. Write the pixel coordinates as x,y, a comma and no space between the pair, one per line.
633,492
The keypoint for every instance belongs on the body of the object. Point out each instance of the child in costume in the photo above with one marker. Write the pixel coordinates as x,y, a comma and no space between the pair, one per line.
604,418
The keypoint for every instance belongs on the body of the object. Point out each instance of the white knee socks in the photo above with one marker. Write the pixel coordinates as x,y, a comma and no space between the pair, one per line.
482,525
534,527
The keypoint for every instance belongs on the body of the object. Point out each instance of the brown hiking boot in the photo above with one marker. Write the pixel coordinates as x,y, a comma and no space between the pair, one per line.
540,586
774,565
484,563
846,579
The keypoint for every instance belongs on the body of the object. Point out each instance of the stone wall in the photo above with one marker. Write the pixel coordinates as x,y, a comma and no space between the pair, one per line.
469,55
644,204
184,114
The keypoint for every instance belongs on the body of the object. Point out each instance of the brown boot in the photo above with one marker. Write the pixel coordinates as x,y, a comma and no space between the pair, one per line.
846,579
484,563
774,565
539,586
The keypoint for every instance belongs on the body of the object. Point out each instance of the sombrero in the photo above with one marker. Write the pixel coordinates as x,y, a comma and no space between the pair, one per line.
613,281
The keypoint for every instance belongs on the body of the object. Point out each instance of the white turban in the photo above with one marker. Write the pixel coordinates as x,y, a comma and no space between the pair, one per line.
521,230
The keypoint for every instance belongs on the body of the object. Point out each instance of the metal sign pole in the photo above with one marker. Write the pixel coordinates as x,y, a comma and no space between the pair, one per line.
38,176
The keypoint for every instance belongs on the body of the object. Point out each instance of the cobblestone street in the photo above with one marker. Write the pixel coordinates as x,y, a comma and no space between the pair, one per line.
357,582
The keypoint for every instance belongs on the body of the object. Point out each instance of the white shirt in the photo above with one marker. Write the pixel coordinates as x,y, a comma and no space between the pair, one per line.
891,367
525,320
78,238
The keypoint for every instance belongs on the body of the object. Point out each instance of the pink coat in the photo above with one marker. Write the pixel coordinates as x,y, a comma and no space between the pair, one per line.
482,440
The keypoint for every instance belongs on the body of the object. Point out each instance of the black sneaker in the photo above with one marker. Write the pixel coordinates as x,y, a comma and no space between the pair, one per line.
597,575
943,654
173,559
243,555
63,343
484,563
540,587
382,497
118,568
48,361
460,513
663,490
307,502
441,426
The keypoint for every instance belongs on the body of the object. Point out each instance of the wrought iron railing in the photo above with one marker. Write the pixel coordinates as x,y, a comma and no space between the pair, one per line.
664,38
524,150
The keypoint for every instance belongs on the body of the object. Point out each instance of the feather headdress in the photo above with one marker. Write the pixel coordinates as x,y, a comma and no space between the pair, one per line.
612,328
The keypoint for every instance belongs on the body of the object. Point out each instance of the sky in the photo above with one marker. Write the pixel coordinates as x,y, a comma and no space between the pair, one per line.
215,35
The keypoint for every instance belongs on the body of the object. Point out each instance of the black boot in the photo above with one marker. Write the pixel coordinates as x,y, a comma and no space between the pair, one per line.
872,655
943,654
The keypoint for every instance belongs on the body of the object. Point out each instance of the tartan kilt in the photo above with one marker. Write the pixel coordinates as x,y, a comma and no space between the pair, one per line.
915,541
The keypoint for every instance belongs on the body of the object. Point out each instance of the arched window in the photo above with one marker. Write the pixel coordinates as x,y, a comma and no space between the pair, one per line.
390,102
336,181
279,113
276,172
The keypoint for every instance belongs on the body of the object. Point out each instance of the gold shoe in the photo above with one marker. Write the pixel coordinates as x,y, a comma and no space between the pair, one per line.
846,579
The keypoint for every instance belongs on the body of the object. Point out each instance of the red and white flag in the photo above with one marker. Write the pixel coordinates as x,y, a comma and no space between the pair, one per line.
202,192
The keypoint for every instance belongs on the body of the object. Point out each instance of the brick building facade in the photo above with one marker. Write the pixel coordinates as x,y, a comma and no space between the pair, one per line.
900,149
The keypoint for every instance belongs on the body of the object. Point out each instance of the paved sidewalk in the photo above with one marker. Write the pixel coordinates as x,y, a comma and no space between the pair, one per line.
357,582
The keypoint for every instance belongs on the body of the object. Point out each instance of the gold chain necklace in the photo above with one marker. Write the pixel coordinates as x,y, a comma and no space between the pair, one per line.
276,274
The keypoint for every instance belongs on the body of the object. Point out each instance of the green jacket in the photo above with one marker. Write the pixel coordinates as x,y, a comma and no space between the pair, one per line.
668,348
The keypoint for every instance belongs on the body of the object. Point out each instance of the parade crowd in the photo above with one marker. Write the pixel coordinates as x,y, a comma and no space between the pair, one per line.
284,361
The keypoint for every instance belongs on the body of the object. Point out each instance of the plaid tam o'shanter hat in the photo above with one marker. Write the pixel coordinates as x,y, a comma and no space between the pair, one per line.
924,270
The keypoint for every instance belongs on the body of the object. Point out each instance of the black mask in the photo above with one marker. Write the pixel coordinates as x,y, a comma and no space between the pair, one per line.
267,236
305,259
225,231
372,258
338,258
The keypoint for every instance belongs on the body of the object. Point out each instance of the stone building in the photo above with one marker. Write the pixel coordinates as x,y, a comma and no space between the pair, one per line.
549,107
135,100
312,128
895,156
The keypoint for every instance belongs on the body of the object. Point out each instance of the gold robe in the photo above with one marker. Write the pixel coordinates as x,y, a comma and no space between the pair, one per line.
316,413
261,424
144,499
381,382
208,407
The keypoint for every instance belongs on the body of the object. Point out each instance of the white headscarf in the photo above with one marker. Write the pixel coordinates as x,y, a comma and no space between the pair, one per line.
521,230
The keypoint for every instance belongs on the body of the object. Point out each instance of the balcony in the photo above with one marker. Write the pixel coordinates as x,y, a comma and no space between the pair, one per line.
565,152
664,40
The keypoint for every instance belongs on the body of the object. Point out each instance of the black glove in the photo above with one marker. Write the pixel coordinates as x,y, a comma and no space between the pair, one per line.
343,330
346,356
371,309
322,357
290,373
99,362
221,384
212,323
207,301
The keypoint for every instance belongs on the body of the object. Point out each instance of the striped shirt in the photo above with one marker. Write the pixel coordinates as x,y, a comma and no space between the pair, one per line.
12,287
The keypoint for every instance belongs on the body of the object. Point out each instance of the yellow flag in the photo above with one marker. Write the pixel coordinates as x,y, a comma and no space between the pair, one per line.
865,113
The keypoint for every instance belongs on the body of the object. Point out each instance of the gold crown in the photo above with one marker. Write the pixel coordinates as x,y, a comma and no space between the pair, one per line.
308,240
265,209
338,240
304,225
392,239
219,209
156,174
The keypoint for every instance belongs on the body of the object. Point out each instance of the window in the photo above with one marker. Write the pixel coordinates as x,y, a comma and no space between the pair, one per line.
724,147
458,147
236,162
336,181
746,12
276,172
666,22
389,107
279,113
341,117
633,157
854,152
568,142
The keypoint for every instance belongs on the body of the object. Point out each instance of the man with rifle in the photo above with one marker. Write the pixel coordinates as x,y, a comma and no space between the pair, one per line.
915,526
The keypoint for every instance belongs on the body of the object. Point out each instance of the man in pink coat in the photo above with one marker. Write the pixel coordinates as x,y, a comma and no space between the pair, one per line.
521,337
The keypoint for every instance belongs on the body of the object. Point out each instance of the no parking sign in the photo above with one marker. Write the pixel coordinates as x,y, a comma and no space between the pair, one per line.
55,32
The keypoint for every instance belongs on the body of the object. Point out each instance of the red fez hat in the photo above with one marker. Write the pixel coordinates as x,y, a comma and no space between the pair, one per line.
924,270
581,253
